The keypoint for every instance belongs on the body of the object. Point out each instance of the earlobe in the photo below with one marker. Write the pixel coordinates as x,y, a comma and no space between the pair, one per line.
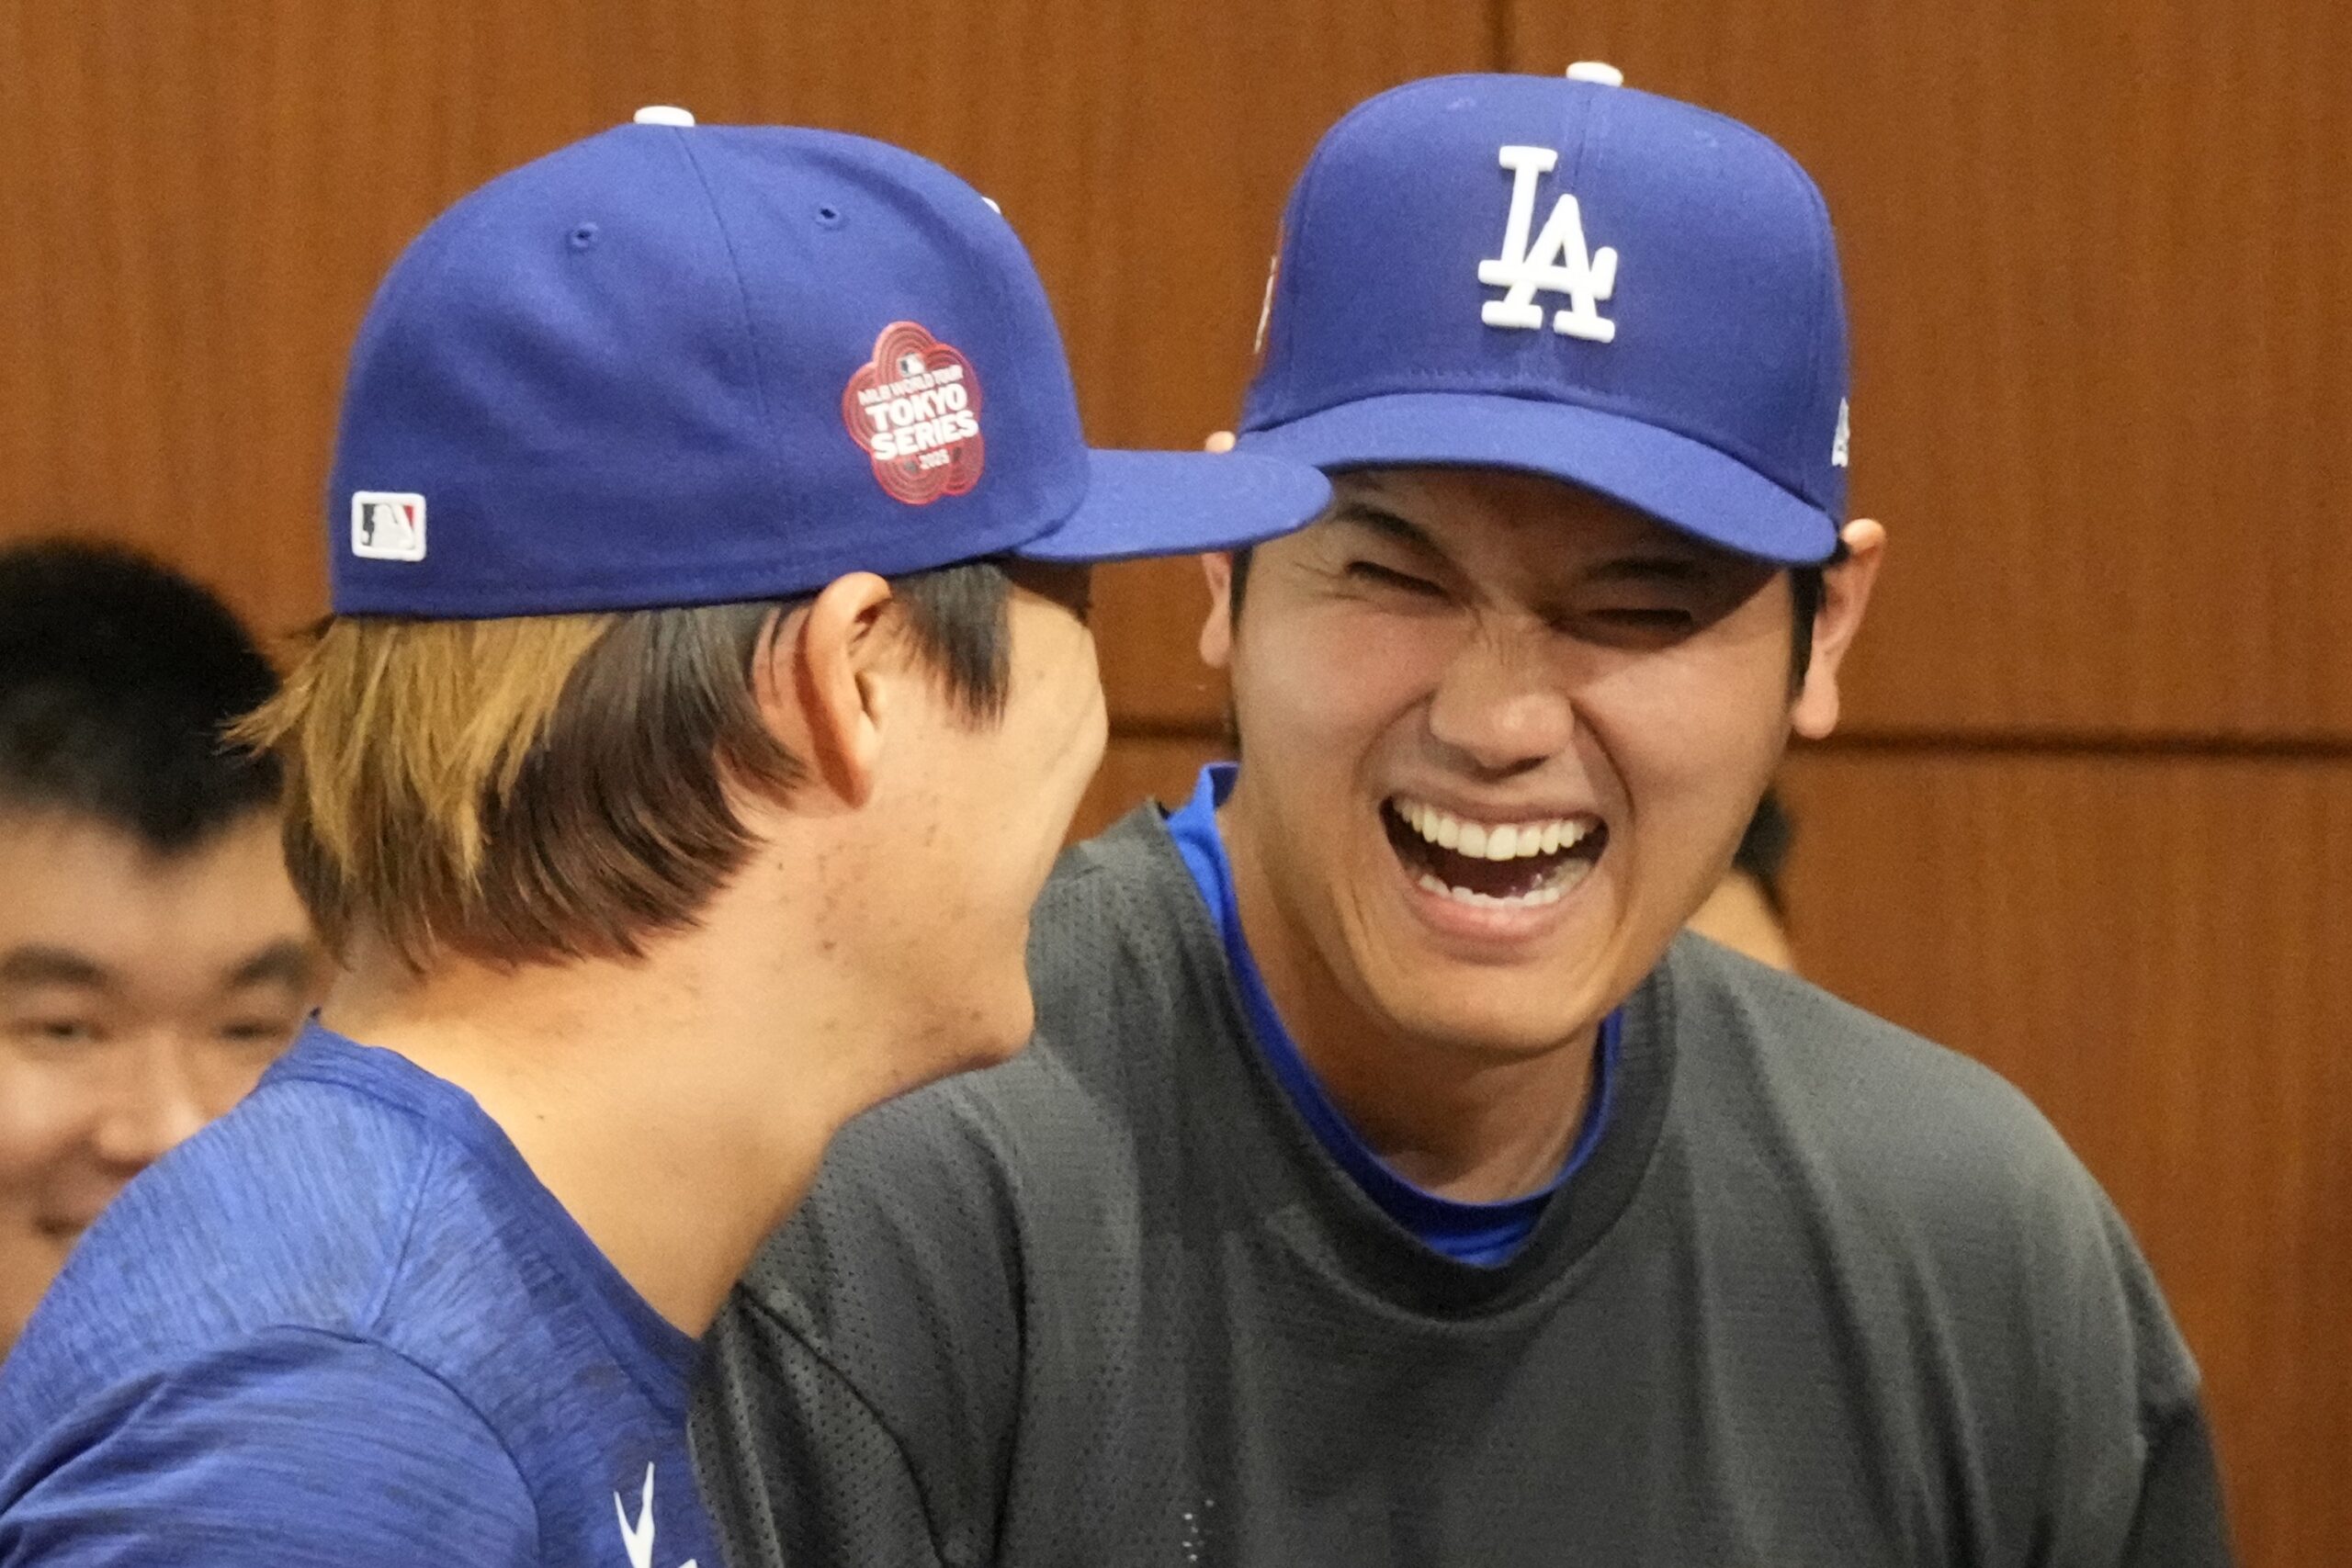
839,684
1216,632
1845,595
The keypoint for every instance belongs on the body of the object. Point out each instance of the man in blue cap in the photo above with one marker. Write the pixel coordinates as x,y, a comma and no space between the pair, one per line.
708,693
1390,1184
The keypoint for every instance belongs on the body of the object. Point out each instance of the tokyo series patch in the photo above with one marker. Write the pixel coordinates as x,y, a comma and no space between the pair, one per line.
915,409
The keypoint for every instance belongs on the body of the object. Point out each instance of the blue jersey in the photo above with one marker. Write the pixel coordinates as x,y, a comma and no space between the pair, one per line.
346,1326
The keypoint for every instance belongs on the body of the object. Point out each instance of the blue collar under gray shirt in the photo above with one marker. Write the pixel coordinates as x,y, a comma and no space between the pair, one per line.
1483,1234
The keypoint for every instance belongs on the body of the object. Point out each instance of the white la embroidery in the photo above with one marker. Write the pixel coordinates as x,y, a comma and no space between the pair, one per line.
1837,447
1559,262
638,1537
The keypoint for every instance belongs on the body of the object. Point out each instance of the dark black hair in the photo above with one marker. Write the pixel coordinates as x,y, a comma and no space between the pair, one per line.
1763,850
117,677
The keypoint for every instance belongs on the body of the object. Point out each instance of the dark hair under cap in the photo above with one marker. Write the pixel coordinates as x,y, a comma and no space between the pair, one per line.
117,677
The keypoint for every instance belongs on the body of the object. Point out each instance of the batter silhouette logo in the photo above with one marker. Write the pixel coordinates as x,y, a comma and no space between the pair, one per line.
915,409
388,524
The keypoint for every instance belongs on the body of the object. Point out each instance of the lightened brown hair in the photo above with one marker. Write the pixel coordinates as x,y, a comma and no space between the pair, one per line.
554,787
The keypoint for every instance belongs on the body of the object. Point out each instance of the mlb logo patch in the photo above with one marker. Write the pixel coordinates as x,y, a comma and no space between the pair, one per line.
387,524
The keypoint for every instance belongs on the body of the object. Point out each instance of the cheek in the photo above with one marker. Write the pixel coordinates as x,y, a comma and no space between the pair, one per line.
1692,743
45,1113
1326,684
1054,733
223,1073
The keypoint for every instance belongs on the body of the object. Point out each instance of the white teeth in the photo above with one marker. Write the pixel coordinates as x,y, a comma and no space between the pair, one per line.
1551,892
1481,840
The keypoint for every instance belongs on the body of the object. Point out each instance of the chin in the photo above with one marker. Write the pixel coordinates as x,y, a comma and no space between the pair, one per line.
1493,1031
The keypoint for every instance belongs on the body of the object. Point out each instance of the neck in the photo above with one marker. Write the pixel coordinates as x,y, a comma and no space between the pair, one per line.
1476,1127
677,1106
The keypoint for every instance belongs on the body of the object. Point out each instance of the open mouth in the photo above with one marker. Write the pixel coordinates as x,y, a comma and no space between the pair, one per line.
1511,865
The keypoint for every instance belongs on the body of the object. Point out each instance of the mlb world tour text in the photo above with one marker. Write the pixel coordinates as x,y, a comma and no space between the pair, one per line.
920,416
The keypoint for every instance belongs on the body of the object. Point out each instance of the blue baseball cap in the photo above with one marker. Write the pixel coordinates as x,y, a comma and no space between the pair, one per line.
1568,277
676,365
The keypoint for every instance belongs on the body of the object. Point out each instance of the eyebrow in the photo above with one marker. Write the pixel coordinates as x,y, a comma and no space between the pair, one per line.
1382,521
286,963
1651,569
35,966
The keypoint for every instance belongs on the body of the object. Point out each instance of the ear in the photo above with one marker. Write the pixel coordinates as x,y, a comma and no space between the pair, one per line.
816,681
1845,595
1216,632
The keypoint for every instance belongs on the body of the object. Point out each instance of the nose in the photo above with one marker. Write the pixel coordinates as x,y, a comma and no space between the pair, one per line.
1501,708
154,1104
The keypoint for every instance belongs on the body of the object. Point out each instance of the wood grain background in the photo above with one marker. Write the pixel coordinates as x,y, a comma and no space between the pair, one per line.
2091,818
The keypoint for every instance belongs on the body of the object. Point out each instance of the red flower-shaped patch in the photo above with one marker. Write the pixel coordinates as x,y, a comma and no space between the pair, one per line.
916,410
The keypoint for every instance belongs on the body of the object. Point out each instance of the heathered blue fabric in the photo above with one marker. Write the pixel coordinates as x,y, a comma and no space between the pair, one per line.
346,1326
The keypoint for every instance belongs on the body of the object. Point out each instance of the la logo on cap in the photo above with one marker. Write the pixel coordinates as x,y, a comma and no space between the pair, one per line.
388,524
1558,261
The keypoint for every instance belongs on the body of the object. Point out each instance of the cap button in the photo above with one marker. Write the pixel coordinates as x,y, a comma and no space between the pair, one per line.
1595,72
662,114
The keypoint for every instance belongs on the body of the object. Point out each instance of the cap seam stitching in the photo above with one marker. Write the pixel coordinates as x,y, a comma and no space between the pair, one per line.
743,298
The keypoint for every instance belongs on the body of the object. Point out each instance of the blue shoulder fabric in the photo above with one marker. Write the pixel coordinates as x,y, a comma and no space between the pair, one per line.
294,1448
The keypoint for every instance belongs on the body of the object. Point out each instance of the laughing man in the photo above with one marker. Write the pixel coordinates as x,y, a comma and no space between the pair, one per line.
1391,1186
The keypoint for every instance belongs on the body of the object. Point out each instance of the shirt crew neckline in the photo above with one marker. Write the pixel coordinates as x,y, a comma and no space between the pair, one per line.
1486,1233
1280,1157
659,1357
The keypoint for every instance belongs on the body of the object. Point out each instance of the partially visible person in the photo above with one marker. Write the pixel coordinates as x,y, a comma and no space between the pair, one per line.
153,957
1392,1181
708,693
1747,911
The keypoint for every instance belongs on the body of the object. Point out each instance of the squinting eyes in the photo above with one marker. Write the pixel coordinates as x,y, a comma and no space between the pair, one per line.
53,1031
1600,623
1372,572
76,1034
1647,618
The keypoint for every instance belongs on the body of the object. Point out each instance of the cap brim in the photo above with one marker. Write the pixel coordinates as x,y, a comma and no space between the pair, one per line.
1179,504
1683,483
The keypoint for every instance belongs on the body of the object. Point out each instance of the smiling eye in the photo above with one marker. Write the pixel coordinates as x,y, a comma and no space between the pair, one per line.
1386,577
1634,625
1647,618
55,1030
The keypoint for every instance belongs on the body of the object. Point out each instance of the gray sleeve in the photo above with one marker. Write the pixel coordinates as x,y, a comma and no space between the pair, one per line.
2143,1434
859,1398
2068,1425
2179,1521
796,1467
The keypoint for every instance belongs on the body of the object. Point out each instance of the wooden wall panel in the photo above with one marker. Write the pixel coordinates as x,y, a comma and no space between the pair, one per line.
2153,949
1136,768
2100,260
203,194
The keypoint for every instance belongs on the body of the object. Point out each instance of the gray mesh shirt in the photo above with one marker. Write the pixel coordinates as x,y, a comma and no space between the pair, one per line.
1824,1294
